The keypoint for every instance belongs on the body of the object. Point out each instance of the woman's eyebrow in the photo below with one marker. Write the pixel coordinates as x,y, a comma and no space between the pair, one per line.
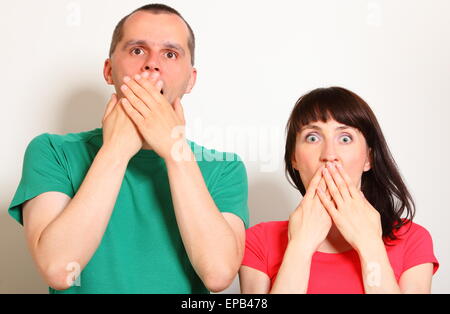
316,127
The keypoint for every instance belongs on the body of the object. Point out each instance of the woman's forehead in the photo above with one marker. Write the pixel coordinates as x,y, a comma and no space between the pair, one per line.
329,124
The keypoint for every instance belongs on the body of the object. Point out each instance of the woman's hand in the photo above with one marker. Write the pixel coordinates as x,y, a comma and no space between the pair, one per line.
310,223
357,220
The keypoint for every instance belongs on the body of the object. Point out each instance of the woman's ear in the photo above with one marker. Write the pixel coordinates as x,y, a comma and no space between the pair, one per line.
368,163
294,163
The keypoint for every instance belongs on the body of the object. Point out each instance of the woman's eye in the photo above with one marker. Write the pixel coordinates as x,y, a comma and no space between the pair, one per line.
346,139
312,138
137,51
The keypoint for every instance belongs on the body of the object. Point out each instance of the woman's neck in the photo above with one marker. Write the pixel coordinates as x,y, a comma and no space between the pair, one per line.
334,242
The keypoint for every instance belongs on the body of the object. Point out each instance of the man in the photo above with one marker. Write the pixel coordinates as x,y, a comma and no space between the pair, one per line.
134,206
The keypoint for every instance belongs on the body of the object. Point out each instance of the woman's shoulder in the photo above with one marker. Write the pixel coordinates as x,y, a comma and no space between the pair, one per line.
269,228
270,225
410,230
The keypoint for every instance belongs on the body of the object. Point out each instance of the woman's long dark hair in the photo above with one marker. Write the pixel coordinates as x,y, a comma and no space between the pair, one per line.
382,185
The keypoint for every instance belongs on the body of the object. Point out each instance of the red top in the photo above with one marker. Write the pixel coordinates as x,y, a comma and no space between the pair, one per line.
340,272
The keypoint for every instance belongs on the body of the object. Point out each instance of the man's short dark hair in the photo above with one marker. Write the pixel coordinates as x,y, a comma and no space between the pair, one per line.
154,8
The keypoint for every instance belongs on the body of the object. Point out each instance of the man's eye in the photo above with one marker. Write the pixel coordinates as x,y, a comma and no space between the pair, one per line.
312,138
346,139
171,55
137,51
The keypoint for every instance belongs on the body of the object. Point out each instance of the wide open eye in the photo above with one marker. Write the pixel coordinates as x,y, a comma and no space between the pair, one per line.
346,139
171,55
137,51
312,138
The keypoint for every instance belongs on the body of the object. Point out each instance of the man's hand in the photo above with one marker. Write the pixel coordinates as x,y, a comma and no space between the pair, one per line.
160,124
120,135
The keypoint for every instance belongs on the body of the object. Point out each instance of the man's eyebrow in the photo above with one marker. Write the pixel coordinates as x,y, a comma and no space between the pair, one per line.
166,45
174,46
135,43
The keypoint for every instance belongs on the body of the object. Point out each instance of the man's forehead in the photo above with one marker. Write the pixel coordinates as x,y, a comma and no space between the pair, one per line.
141,22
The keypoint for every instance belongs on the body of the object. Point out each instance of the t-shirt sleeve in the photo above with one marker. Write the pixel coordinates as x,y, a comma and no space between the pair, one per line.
43,171
419,249
255,255
230,192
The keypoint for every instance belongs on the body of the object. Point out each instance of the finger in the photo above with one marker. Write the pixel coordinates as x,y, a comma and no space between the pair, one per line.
334,191
151,77
110,106
329,205
135,101
152,85
323,186
313,184
134,115
340,183
354,192
140,91
178,107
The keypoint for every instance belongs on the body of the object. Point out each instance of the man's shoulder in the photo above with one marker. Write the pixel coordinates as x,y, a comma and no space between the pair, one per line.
211,155
56,141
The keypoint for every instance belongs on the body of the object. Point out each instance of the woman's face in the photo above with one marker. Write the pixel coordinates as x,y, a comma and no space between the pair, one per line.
320,142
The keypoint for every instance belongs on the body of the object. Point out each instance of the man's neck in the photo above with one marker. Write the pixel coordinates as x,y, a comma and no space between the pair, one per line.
145,145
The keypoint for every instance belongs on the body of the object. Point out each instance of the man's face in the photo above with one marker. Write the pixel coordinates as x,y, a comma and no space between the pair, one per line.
319,143
153,43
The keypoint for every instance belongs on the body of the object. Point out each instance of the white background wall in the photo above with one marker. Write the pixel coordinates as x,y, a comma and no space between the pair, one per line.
254,59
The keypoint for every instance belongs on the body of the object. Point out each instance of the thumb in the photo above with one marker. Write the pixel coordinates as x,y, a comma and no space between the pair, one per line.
110,106
178,107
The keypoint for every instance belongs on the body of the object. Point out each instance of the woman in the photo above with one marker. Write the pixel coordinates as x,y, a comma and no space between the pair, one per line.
347,234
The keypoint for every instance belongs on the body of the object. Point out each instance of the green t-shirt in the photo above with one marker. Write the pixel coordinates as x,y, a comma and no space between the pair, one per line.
141,250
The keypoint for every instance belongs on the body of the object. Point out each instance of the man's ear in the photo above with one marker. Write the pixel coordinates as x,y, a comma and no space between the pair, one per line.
368,163
192,81
107,72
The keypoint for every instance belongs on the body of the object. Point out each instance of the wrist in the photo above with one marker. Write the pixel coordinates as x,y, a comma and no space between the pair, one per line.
113,155
179,153
302,248
369,250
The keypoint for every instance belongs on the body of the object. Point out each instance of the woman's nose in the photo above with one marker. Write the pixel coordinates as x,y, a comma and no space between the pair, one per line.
329,153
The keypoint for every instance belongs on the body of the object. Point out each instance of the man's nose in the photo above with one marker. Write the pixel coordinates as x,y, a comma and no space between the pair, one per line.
150,68
151,64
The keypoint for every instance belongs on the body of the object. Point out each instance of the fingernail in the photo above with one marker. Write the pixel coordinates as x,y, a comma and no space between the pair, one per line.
124,87
126,79
159,84
145,75
137,77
